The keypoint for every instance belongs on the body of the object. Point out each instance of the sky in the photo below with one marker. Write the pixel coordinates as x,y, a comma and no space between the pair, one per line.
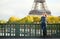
21,8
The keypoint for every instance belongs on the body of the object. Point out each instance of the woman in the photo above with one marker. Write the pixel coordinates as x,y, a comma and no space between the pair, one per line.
43,24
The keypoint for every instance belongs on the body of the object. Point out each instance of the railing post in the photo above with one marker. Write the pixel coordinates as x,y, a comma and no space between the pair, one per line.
56,30
10,30
17,30
35,30
40,30
24,30
30,30
4,30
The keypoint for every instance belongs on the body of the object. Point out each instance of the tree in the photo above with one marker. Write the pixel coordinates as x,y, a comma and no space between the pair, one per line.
3,21
13,19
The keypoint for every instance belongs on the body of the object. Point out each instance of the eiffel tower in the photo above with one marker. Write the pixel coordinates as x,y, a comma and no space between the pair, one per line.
36,10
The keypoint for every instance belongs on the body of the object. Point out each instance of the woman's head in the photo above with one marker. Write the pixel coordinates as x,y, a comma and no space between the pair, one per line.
44,14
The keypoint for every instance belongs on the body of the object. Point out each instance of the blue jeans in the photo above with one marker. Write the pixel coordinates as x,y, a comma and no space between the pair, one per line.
43,26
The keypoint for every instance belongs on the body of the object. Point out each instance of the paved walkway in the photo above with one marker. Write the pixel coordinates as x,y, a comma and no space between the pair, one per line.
29,38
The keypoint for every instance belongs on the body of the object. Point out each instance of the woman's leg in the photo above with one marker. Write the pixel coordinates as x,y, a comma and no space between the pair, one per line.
44,32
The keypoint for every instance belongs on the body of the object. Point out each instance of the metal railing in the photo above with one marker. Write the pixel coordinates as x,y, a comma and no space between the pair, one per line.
28,30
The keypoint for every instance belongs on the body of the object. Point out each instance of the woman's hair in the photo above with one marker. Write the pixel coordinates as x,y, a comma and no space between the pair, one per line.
45,15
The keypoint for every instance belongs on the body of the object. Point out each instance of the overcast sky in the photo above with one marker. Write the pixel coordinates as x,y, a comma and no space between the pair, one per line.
21,8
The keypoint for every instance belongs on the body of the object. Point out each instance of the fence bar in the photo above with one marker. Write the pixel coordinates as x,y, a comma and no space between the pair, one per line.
17,30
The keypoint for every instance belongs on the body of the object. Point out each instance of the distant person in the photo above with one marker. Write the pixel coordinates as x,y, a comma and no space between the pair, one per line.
43,24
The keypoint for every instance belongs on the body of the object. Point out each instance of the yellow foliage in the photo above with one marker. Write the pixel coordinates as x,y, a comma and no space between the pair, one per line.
58,19
53,19
50,19
3,21
23,20
27,19
13,19
36,19
30,19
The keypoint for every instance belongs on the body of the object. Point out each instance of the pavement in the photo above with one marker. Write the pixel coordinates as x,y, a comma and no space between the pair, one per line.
29,38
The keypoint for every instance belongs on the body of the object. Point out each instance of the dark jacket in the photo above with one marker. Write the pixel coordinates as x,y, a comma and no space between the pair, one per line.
43,22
